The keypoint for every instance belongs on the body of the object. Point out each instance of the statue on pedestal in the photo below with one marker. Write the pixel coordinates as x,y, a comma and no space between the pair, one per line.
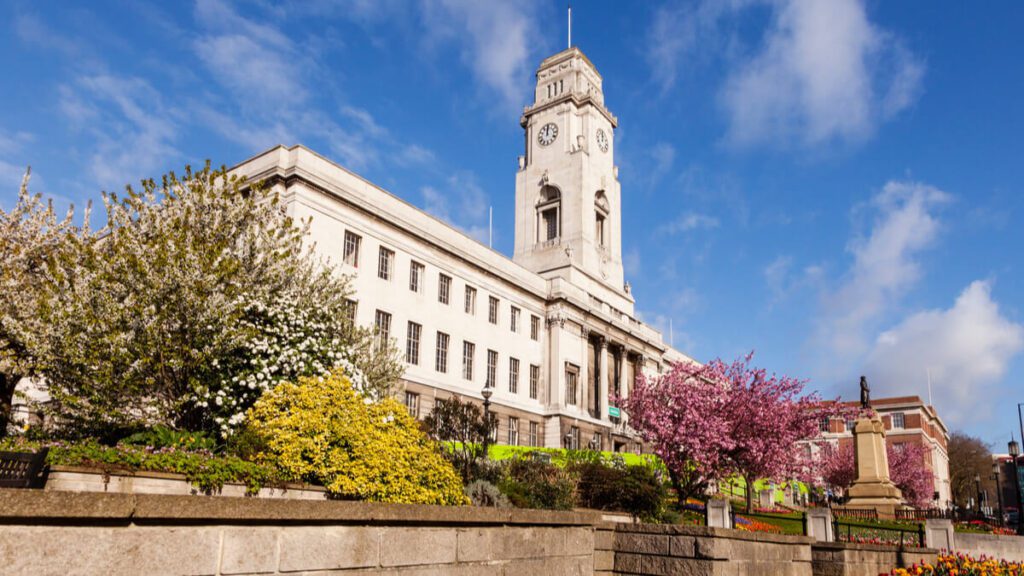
872,489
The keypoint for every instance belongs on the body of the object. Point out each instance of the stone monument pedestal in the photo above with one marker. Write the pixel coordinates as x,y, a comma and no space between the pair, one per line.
873,490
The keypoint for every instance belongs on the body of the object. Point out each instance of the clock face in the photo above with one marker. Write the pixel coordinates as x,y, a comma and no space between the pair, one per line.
547,134
602,140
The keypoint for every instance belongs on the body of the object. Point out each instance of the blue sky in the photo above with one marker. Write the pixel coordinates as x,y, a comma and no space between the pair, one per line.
836,185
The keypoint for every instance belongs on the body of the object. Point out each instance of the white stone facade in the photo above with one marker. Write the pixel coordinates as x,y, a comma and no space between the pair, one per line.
575,341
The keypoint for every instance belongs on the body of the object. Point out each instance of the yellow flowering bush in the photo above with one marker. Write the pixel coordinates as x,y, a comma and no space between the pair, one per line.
321,430
962,565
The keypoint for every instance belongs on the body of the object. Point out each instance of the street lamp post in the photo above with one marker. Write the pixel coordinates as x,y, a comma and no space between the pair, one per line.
977,491
1014,453
486,393
999,489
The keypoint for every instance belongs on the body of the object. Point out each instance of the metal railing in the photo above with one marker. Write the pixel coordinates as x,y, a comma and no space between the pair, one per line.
857,513
887,535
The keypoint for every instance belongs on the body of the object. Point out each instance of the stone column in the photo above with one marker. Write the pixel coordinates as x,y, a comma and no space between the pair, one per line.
602,396
585,375
555,369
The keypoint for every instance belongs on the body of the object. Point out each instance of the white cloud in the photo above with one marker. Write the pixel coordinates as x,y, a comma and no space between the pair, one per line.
966,349
497,40
688,222
462,203
135,133
824,73
682,32
884,266
631,262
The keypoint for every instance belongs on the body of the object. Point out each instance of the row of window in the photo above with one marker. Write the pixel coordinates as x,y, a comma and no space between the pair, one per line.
897,419
532,436
414,332
417,276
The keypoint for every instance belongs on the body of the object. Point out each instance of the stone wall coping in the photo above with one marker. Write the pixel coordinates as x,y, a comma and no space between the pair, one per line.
1009,538
170,476
871,547
686,530
19,506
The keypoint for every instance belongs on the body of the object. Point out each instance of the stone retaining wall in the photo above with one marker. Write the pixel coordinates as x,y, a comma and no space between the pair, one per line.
645,549
1005,547
112,534
845,559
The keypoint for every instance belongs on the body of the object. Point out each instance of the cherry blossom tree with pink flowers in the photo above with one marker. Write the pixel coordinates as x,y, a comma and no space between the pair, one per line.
908,470
708,422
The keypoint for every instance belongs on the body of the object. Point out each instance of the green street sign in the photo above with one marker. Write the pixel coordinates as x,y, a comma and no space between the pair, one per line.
613,411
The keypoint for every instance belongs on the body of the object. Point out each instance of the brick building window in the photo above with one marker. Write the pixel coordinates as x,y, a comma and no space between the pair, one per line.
533,437
898,420
350,253
444,288
441,357
513,375
412,343
823,424
572,439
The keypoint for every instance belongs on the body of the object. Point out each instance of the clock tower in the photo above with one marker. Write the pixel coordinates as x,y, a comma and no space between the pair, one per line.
568,202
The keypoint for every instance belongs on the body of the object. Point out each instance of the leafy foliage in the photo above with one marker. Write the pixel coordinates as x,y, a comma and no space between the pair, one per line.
637,490
196,295
907,470
322,431
530,483
164,437
207,471
462,427
483,493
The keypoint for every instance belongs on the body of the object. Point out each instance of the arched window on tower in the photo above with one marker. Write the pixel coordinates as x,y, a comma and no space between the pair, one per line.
601,210
549,215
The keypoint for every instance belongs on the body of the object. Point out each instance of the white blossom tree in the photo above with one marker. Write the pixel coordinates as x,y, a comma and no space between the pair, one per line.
196,286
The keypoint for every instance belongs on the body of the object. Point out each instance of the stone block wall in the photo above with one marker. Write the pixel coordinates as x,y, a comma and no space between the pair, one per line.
121,534
845,559
654,550
1005,547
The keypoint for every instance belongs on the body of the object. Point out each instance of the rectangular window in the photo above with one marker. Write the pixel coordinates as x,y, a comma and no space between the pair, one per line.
534,436
492,368
416,272
513,375
492,310
468,349
849,425
897,420
441,357
412,343
534,380
573,442
444,288
514,319
412,402
597,442
351,250
572,375
351,306
513,431
599,232
470,300
823,424
382,320
493,419
534,327
385,264
550,217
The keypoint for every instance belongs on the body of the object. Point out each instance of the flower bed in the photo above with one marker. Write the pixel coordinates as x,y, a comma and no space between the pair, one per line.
963,565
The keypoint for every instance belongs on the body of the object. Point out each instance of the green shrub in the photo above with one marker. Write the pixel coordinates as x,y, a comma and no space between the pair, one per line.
320,430
633,489
164,437
208,472
483,493
530,483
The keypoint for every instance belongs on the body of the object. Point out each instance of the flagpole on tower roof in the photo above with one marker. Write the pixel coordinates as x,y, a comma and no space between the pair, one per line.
570,25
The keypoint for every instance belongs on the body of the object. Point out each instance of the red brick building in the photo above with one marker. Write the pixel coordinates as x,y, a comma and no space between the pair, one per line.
907,420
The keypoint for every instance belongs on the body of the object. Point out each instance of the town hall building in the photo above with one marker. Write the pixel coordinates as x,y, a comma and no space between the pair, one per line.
551,333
